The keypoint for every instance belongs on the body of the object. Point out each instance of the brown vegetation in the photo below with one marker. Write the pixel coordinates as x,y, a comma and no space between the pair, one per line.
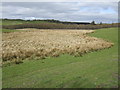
43,43
58,26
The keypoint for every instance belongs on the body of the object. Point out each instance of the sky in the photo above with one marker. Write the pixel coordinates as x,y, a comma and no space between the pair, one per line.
106,12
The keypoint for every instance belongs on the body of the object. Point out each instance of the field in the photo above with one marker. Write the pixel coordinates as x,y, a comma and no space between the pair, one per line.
98,68
18,22
51,24
18,46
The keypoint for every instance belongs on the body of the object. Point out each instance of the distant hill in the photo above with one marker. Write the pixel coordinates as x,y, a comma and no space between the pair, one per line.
21,21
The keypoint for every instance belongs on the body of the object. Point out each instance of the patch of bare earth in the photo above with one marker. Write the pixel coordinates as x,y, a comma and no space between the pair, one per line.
43,43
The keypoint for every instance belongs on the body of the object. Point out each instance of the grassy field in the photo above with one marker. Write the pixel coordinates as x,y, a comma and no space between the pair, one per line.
95,69
17,22
8,30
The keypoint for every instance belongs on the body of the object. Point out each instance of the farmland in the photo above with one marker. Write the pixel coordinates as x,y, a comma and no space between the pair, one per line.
51,24
57,59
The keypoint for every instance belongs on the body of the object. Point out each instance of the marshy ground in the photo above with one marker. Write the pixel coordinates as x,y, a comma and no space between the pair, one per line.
44,43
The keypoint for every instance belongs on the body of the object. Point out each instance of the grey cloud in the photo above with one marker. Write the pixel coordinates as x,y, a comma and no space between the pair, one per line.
74,11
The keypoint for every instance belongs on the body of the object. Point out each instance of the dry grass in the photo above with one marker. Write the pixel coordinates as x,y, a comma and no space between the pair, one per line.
44,43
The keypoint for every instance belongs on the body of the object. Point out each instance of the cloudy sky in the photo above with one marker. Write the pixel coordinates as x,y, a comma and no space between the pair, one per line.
106,12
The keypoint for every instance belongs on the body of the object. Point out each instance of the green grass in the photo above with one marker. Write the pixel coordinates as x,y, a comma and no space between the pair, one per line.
8,30
12,22
95,69
17,22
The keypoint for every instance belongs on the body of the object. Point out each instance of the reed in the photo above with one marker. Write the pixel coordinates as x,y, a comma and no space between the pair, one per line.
44,43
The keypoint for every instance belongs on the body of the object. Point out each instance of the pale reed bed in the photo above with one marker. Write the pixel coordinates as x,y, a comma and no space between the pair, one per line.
45,43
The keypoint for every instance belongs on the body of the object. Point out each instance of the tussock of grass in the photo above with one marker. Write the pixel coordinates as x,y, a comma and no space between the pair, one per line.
44,43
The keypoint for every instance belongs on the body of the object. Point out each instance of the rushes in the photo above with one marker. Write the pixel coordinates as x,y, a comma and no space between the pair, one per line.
45,43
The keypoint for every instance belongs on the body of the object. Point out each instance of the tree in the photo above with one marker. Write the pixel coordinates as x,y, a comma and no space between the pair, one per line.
93,22
100,23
